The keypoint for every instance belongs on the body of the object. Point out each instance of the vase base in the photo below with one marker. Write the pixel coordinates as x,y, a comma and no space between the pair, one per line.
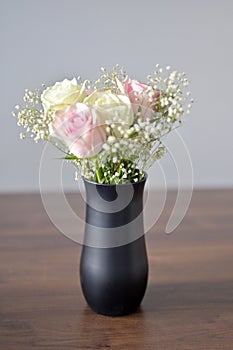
118,312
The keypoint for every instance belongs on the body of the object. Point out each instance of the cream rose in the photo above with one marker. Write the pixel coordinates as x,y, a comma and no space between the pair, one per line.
62,95
112,107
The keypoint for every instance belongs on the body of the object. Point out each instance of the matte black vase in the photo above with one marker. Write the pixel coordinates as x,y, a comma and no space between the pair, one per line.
114,265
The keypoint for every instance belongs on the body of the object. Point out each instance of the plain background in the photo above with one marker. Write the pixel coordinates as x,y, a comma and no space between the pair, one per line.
45,41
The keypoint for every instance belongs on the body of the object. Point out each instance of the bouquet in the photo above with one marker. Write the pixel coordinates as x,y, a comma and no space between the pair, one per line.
112,129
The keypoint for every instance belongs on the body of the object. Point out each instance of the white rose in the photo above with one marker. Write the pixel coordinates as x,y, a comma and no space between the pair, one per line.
62,95
112,107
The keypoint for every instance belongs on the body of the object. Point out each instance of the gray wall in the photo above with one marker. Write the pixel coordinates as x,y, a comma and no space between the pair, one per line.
47,40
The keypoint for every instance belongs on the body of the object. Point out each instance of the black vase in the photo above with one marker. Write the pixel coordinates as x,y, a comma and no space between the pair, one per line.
114,265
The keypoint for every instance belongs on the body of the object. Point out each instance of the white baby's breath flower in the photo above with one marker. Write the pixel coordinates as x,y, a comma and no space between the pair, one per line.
106,147
136,127
22,135
111,139
170,111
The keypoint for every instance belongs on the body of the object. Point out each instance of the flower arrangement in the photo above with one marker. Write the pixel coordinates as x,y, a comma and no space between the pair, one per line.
111,129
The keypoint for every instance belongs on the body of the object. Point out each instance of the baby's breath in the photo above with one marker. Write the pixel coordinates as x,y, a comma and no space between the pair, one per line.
32,117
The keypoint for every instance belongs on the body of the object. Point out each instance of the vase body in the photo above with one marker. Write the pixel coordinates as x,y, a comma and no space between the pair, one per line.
114,265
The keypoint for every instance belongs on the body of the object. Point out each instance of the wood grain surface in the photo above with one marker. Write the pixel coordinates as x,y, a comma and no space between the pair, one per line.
189,299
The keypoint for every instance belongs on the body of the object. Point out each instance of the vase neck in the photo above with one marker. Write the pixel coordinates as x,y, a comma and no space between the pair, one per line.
114,213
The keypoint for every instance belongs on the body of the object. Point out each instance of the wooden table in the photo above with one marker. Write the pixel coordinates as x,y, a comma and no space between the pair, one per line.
188,303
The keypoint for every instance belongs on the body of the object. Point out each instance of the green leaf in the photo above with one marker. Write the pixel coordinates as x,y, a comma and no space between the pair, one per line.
72,156
99,175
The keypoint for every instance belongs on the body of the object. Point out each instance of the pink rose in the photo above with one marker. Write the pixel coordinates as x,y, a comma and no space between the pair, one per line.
80,128
141,95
